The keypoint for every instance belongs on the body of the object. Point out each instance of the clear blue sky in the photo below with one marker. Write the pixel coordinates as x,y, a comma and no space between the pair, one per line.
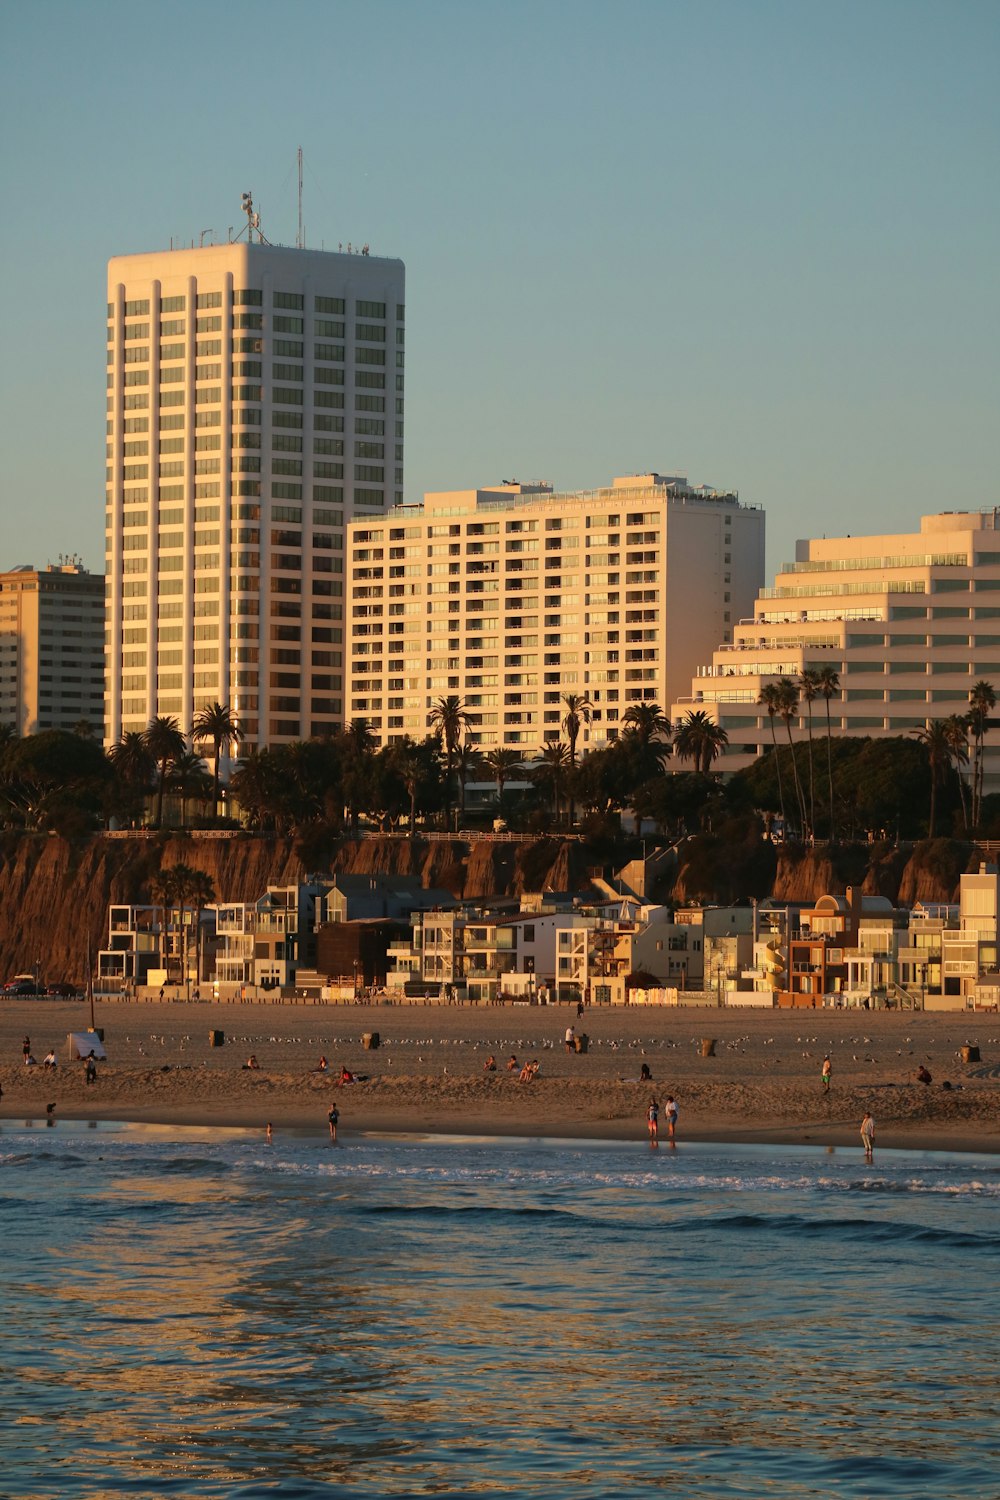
754,242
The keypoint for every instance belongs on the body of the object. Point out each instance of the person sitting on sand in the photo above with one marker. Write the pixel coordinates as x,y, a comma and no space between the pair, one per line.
251,1063
346,1076
50,1060
322,1065
525,1075
490,1065
512,1064
923,1076
535,1067
645,1075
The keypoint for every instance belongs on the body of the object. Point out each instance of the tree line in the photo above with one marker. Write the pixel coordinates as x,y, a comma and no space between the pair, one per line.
67,782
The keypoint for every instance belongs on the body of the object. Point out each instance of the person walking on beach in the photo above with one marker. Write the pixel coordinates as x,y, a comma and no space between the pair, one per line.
868,1134
333,1118
826,1073
653,1120
90,1069
570,1038
671,1109
26,1049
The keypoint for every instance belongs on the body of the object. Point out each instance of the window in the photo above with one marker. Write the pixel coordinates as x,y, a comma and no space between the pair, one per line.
288,299
172,304
369,309
136,309
329,304
291,348
286,372
369,357
329,351
209,299
324,329
372,333
249,298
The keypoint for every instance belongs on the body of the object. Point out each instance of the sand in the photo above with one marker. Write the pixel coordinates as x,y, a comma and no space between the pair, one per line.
763,1084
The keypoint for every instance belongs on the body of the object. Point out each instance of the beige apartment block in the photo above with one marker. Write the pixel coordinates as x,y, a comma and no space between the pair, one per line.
909,622
512,597
255,402
51,648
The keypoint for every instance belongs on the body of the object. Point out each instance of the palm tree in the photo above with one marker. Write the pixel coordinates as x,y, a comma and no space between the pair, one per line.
578,711
699,739
982,701
183,881
647,722
468,762
187,775
358,744
132,762
165,744
788,708
218,724
201,891
809,688
501,763
935,739
551,770
447,718
161,890
957,726
770,698
828,682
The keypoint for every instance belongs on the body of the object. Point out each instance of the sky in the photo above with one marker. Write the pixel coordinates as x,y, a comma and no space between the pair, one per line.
750,241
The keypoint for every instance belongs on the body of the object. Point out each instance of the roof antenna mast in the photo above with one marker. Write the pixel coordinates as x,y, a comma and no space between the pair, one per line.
302,238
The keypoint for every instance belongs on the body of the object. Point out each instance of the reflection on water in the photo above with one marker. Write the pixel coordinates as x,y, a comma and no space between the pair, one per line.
197,1314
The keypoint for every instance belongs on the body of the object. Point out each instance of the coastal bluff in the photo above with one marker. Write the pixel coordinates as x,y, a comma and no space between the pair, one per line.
55,892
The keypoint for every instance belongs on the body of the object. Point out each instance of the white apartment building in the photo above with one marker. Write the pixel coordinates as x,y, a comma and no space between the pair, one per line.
51,648
512,596
909,622
255,401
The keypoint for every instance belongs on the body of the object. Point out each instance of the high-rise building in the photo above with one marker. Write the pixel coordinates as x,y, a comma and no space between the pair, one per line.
908,623
51,648
255,402
513,597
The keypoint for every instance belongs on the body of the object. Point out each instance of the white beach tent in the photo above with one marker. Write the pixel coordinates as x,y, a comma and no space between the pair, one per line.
82,1043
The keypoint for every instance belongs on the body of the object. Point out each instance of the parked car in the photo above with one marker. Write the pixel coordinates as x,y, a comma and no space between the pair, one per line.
21,984
64,990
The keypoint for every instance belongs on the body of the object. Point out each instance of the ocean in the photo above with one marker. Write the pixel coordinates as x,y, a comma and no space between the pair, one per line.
190,1312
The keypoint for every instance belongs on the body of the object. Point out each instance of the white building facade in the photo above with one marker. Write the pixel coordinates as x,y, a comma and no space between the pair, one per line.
909,622
51,648
512,597
254,403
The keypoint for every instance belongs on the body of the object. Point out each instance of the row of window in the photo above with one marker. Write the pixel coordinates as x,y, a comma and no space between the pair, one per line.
254,297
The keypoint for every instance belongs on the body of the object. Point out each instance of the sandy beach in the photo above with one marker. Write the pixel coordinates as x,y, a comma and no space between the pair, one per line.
428,1074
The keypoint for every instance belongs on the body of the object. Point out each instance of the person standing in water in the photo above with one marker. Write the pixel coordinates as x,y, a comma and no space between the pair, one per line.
652,1120
868,1134
332,1119
671,1108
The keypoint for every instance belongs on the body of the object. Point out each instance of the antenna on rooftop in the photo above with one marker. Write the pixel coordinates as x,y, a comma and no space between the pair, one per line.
301,241
253,220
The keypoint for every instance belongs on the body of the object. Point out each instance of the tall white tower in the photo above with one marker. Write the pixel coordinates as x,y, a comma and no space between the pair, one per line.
255,403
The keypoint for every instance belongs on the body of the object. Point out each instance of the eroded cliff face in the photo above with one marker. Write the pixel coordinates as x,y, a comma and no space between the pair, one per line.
54,894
